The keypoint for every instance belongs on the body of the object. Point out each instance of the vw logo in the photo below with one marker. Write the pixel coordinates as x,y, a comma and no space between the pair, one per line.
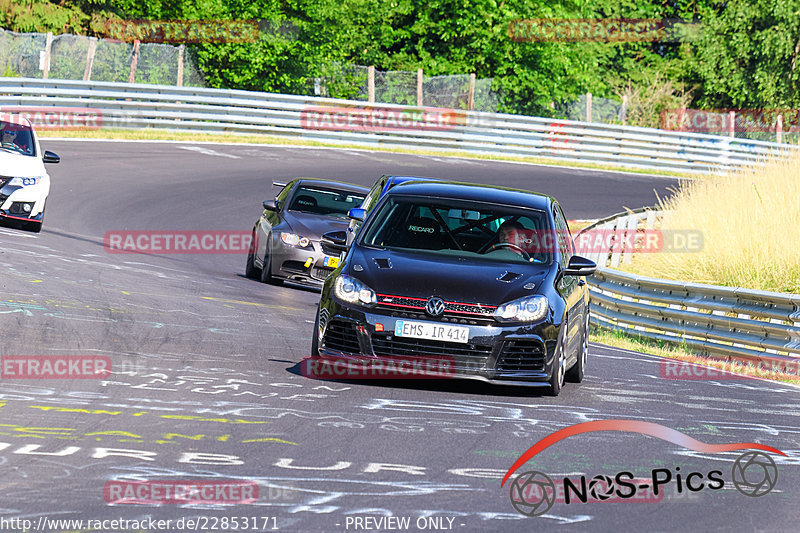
434,306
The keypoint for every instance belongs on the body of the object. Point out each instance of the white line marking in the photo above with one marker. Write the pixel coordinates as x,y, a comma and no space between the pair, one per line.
208,151
12,233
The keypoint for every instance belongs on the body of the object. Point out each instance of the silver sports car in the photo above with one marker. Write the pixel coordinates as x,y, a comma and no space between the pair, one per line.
286,238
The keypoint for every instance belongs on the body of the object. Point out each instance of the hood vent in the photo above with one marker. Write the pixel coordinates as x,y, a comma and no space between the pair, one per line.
383,262
508,276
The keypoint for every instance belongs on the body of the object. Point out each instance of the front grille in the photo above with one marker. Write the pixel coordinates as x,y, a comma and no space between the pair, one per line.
327,250
467,357
341,336
521,356
294,266
388,301
472,321
323,318
321,272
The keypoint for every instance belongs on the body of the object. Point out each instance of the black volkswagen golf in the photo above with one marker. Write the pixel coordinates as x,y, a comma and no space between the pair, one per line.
482,275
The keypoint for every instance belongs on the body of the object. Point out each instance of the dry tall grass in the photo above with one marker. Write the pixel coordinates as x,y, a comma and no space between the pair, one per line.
750,221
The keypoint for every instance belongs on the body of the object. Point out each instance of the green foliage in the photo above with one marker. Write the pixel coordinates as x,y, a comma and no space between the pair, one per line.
749,54
9,72
746,55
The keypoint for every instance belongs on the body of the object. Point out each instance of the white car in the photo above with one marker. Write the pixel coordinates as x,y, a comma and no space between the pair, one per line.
24,182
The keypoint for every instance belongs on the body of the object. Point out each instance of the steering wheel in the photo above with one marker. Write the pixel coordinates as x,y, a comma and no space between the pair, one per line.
525,255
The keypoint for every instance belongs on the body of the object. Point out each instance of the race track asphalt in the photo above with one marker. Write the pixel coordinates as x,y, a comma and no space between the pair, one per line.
205,382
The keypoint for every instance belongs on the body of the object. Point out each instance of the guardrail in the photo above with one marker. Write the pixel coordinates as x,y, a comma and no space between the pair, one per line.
125,105
733,323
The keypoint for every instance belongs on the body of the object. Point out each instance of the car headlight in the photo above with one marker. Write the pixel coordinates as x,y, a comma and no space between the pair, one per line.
22,182
350,290
527,309
293,239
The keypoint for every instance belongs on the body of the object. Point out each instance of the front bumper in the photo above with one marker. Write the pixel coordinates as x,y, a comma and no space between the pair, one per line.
22,203
495,353
307,266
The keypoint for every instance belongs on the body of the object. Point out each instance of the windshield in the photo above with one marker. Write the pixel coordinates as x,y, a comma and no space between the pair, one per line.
324,201
16,138
474,230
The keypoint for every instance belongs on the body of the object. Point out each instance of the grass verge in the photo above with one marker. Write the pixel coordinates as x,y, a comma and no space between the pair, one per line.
166,135
626,341
750,223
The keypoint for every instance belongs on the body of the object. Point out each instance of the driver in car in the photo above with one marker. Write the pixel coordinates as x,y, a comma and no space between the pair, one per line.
9,136
511,232
514,237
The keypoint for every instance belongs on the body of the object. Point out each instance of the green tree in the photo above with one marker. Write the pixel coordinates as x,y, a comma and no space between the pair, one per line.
748,56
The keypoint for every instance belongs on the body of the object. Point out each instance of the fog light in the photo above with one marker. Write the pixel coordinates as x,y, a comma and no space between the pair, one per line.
26,208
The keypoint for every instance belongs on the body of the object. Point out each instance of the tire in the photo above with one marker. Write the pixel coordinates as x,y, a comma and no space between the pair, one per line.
250,270
315,338
266,270
559,361
576,373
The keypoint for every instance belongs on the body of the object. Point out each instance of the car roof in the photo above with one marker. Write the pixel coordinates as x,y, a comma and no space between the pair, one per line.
402,179
332,183
477,192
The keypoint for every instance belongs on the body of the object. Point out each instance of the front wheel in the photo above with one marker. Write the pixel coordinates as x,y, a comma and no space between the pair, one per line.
250,270
266,270
315,338
576,373
559,362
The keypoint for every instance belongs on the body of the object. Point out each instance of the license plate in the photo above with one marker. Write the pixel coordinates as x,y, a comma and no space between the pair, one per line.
332,262
428,330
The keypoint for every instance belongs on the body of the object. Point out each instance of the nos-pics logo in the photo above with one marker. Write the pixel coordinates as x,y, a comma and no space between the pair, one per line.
533,493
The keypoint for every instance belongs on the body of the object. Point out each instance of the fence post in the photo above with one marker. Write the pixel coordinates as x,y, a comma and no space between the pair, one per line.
471,97
732,119
371,84
181,49
47,47
87,72
419,87
779,129
588,107
623,113
134,60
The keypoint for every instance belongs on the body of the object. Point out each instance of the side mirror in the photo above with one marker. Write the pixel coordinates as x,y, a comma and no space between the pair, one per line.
357,214
336,240
50,157
580,266
270,205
